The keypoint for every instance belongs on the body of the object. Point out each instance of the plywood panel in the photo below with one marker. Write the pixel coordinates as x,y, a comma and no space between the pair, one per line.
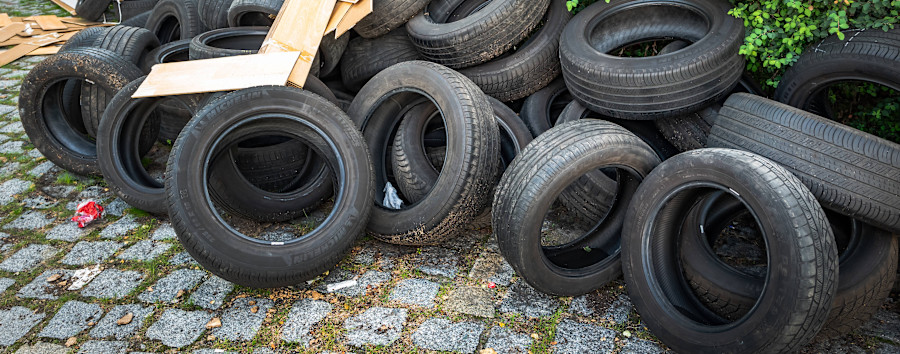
49,23
356,13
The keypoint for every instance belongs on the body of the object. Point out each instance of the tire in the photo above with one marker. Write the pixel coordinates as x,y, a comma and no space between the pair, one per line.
172,20
866,55
174,112
330,51
167,53
213,13
688,132
472,150
366,57
253,12
849,171
121,165
528,68
388,15
56,134
654,87
476,39
139,20
867,262
249,261
91,10
645,130
84,38
270,178
546,167
134,8
541,110
799,244
227,42
414,172
132,43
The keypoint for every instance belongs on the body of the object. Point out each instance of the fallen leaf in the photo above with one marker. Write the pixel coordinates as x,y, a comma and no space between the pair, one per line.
315,295
150,289
487,351
254,309
179,293
210,337
627,334
535,336
251,302
215,322
125,319
91,324
54,277
71,341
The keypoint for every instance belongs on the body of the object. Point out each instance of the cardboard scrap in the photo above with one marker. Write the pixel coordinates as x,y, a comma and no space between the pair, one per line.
27,47
11,30
49,23
5,20
356,13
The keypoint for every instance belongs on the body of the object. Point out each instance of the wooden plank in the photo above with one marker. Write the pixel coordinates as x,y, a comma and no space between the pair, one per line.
299,28
49,23
356,13
10,30
339,11
82,22
4,20
46,50
218,74
22,49
68,5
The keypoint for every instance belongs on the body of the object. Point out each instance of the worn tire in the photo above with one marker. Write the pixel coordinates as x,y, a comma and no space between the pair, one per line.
472,150
213,13
132,43
388,15
331,50
475,39
535,179
133,8
688,132
49,126
646,88
227,42
91,10
800,245
253,12
84,38
541,110
849,171
253,262
172,20
139,20
366,57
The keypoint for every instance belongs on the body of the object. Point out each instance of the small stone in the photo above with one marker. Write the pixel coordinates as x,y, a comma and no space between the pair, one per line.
437,261
166,288
211,294
575,337
109,326
42,348
375,326
178,328
441,334
91,324
418,292
303,316
72,318
11,188
125,319
120,228
39,288
71,341
470,300
16,322
215,322
523,299
504,340
28,258
252,302
30,220
238,324
90,252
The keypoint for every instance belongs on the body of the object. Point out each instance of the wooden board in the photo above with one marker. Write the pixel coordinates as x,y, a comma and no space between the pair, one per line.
218,74
356,13
10,30
49,23
299,28
339,11
22,49
48,50
4,20
68,5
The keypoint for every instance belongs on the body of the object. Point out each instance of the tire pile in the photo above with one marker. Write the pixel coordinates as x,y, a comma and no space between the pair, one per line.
407,129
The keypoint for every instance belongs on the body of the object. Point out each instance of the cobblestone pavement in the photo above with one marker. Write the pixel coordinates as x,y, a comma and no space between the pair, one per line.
148,295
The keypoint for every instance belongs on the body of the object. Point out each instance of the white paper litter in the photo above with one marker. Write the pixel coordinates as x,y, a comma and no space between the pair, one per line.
340,285
391,199
84,276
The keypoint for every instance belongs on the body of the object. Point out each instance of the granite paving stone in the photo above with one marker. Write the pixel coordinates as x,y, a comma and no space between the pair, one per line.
372,278
212,351
640,346
42,348
522,298
16,322
116,207
437,261
7,168
104,347
166,289
375,326
183,258
574,337
59,191
441,334
39,288
884,325
107,327
470,300
113,284
581,306
42,169
618,311
491,267
145,250
212,292
35,154
120,228
38,202
67,231
30,220
5,283
12,146
10,188
91,252
504,340
365,257
4,109
28,257
72,318
4,84
178,328
239,322
164,232
303,316
419,292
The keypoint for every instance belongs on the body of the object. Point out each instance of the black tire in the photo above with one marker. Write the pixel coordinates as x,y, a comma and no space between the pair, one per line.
688,132
866,55
541,110
413,170
528,68
120,163
227,42
546,167
475,39
645,130
42,108
91,10
330,52
472,150
174,112
646,88
253,12
132,43
172,20
84,38
388,15
213,13
167,53
867,262
270,178
366,57
849,171
240,258
134,8
139,20
799,244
